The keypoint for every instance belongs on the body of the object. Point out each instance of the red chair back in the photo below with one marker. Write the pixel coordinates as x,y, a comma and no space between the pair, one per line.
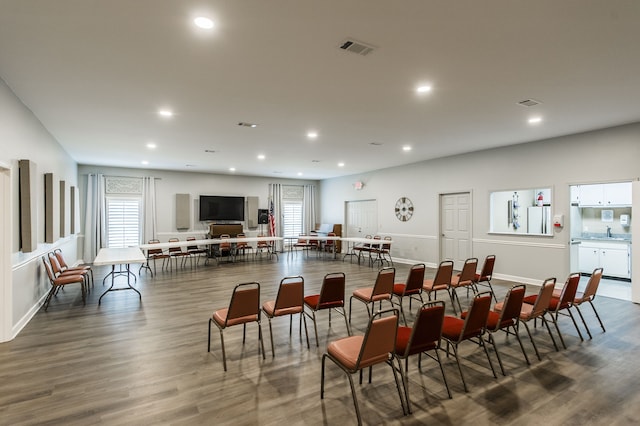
468,274
444,273
245,303
512,306
332,291
592,286
427,328
544,298
380,339
476,319
384,282
569,291
487,268
415,279
290,296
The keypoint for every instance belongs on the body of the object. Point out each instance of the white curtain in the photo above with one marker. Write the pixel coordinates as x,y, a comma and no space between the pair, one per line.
149,222
275,200
309,208
94,221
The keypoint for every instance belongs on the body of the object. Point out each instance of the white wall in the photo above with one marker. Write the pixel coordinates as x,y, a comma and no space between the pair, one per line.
22,136
169,183
598,156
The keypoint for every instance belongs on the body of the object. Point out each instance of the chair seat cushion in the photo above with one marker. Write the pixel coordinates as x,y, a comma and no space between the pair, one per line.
531,300
220,316
270,310
428,285
452,327
346,350
492,320
402,341
526,312
365,295
455,282
313,302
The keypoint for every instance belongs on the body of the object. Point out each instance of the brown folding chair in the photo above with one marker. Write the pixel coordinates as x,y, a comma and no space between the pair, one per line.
58,282
353,354
505,316
359,249
331,297
289,301
456,330
381,290
588,295
177,253
484,277
441,281
197,252
64,267
154,254
424,337
59,271
244,308
412,288
465,279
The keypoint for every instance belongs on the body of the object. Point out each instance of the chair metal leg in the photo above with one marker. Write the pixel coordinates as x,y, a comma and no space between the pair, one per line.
549,330
517,334
495,348
584,322
400,388
488,357
455,353
273,351
555,322
532,342
597,316
575,324
261,339
224,353
444,377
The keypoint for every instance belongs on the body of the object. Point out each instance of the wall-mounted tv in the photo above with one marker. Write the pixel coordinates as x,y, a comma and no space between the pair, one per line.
216,207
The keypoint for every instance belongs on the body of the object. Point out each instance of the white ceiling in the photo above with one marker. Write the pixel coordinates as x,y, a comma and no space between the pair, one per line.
96,72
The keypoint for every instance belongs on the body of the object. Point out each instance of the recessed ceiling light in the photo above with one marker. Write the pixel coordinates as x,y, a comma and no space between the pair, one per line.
144,162
299,173
152,145
340,164
261,157
406,148
232,169
535,120
203,22
426,88
312,134
165,113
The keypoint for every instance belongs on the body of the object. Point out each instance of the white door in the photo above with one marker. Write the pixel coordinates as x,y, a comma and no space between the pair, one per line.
362,218
455,227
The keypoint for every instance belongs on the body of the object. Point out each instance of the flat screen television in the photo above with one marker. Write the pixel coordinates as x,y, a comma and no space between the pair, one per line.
216,207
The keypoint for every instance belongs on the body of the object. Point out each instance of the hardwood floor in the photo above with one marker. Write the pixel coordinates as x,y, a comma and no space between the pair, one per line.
132,362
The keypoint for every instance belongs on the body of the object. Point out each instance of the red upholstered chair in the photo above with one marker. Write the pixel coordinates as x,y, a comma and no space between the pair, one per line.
196,252
382,252
484,277
441,281
243,309
465,279
64,267
329,246
381,290
225,248
60,281
177,253
506,317
456,330
154,254
561,302
58,271
331,297
377,346
588,295
538,310
424,337
360,249
289,301
412,288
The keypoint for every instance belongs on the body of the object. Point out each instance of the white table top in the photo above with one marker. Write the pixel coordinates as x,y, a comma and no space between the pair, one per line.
206,242
119,256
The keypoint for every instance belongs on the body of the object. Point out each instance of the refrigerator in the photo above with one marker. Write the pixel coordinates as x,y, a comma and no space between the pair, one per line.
539,220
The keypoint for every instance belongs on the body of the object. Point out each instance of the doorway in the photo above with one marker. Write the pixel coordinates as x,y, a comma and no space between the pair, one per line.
361,218
455,227
600,233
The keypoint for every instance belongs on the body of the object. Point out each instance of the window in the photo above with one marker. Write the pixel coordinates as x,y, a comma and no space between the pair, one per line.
292,212
123,221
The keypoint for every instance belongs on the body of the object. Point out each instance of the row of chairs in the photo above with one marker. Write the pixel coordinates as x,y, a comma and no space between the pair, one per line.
307,243
60,274
376,252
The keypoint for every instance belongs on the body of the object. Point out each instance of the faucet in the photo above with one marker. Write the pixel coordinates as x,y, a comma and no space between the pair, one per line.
608,232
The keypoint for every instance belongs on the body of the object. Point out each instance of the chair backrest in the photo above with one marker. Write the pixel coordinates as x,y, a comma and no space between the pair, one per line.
332,290
476,319
245,301
468,274
154,251
592,286
262,243
191,247
487,267
224,244
380,339
427,328
415,278
384,282
58,254
444,273
47,267
330,242
55,266
290,295
544,298
512,305
376,245
387,246
367,245
568,291
174,249
241,243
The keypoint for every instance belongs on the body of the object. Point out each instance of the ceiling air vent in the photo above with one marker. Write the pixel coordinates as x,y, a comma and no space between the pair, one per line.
350,45
529,102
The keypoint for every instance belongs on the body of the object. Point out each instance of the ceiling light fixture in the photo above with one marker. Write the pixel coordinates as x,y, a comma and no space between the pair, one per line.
312,134
406,148
299,173
261,157
424,89
535,120
203,22
165,113
144,162
232,169
152,145
340,164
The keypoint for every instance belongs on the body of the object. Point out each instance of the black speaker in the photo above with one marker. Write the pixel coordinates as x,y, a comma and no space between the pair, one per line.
263,216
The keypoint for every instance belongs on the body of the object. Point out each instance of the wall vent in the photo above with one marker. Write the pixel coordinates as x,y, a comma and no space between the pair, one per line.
351,45
529,102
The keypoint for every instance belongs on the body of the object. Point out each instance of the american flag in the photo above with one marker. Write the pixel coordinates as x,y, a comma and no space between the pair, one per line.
272,221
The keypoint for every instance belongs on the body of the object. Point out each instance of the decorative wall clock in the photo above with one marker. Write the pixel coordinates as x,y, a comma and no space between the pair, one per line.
404,209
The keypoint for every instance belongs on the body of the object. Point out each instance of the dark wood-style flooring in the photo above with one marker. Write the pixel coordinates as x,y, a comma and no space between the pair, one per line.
131,362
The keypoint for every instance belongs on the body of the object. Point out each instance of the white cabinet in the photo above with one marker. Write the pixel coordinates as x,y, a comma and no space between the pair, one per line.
612,257
605,195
